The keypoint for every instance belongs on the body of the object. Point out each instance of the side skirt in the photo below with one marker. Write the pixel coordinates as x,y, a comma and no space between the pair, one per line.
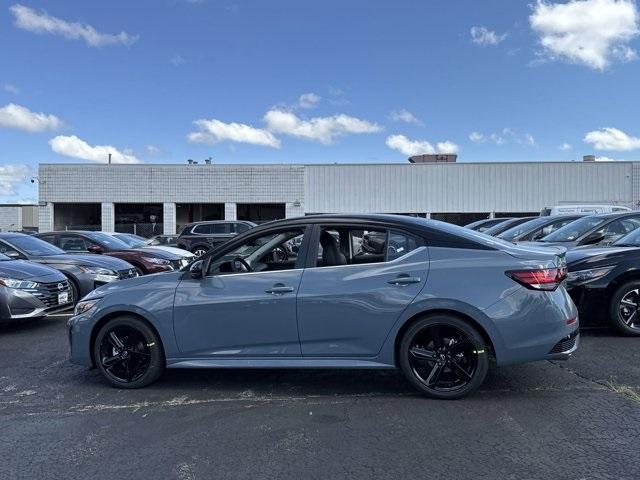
275,363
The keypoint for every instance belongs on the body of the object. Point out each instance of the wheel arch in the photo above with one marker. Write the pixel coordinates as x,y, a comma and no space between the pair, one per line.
439,311
122,313
616,283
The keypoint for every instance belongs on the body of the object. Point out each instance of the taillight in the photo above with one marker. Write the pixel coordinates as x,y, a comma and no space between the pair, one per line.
539,279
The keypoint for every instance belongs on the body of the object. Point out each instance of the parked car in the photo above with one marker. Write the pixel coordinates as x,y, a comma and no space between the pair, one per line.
506,225
200,237
583,209
605,285
163,241
29,290
327,306
594,230
144,260
84,272
536,228
135,241
485,224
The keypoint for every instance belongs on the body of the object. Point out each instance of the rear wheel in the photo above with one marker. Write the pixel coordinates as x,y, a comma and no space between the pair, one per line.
444,357
128,353
624,310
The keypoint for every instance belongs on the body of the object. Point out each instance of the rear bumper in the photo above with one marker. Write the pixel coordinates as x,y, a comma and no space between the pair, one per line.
534,325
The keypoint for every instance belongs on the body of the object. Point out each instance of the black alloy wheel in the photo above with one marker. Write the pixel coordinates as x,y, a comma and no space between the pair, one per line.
128,353
444,357
625,309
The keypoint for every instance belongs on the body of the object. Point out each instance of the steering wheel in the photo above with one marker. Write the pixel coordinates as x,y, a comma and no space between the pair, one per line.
241,265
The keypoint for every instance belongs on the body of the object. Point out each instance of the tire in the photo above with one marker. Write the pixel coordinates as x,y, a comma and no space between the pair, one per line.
620,314
199,250
436,350
143,362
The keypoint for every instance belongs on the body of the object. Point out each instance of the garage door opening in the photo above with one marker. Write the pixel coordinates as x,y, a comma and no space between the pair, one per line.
197,212
77,216
260,212
459,218
144,219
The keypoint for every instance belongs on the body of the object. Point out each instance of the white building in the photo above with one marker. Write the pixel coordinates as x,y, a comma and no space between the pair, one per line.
124,197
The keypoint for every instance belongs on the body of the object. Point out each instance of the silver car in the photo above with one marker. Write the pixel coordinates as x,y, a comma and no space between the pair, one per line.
29,290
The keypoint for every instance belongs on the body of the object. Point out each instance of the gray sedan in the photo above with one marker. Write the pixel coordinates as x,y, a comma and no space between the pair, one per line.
85,272
29,290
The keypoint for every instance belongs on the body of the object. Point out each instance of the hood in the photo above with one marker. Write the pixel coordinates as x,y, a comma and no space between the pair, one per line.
89,260
126,284
155,252
24,270
176,251
597,254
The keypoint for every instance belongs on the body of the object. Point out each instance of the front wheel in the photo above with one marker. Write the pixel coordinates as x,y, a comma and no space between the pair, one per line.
199,251
128,353
444,357
624,310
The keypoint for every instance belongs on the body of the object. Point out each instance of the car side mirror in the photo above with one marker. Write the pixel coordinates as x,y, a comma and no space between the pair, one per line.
594,237
196,269
12,254
94,249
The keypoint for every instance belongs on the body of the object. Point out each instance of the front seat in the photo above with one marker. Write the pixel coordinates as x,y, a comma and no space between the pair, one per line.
331,254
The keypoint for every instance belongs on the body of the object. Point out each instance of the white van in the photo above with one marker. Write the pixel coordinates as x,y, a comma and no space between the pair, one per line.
584,209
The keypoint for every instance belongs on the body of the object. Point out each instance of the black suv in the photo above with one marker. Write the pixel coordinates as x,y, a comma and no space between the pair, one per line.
200,237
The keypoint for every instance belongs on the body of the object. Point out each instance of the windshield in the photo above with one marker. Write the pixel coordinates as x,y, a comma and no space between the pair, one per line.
34,246
131,240
630,239
108,241
514,232
574,230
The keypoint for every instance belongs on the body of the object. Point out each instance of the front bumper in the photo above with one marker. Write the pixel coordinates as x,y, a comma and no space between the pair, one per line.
17,304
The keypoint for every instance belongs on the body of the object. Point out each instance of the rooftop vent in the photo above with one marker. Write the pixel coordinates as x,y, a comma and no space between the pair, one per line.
589,158
434,158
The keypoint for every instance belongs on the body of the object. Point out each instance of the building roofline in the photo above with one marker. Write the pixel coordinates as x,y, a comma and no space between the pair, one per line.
352,164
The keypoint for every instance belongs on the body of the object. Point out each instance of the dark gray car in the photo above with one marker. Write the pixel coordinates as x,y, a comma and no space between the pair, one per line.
200,237
537,228
85,272
601,229
29,290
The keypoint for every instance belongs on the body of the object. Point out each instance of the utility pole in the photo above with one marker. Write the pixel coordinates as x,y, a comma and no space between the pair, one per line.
109,159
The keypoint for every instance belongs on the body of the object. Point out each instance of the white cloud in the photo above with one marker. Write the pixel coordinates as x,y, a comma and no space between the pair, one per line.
405,116
322,129
605,159
177,60
528,139
418,147
17,116
588,32
74,147
477,137
308,100
152,149
12,89
565,147
214,131
612,139
40,22
485,37
497,139
10,176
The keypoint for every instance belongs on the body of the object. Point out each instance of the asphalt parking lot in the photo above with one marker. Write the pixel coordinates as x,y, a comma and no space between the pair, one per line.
575,420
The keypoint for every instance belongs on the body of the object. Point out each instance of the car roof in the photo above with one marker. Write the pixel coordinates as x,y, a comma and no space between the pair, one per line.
633,213
13,235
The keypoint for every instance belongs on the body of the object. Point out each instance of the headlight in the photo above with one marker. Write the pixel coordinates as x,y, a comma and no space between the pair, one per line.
158,261
101,274
584,276
13,283
85,306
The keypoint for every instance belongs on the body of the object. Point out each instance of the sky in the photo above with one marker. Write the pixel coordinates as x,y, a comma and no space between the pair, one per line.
290,81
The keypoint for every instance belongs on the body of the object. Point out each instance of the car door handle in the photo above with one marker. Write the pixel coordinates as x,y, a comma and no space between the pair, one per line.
402,280
279,289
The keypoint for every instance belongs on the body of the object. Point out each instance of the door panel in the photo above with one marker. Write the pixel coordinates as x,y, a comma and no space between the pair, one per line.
349,310
246,314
